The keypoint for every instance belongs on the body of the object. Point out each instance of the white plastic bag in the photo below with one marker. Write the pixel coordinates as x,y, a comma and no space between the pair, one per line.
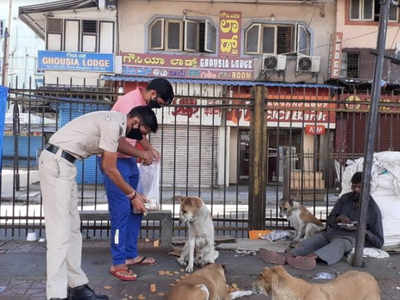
149,184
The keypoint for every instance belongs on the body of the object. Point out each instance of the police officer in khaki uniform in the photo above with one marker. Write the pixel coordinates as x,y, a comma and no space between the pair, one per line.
93,133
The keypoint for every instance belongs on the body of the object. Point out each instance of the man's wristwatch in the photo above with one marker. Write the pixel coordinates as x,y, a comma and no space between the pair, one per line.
132,195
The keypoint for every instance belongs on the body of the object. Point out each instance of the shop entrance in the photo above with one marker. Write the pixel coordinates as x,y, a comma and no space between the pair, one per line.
276,139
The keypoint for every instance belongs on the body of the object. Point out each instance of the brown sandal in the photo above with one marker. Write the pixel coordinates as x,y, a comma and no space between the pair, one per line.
123,273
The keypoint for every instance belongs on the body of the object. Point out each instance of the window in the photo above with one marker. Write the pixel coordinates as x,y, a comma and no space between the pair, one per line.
54,30
277,39
189,35
89,35
106,37
80,35
157,34
350,65
353,65
369,10
393,12
174,32
71,36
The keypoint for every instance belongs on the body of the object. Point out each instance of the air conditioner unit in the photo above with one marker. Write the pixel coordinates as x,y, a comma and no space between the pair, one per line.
308,63
274,62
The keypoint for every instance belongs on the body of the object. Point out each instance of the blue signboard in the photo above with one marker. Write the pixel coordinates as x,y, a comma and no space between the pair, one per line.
75,61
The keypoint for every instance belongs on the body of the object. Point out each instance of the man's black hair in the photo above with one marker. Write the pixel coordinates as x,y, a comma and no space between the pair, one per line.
147,115
356,179
163,88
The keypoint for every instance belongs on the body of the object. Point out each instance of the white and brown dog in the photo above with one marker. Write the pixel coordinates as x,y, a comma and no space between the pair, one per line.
208,283
280,285
304,222
199,249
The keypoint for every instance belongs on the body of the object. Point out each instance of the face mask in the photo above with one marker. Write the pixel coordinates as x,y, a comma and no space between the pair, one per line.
153,104
135,134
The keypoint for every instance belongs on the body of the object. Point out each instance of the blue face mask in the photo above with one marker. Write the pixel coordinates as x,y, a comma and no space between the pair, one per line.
135,134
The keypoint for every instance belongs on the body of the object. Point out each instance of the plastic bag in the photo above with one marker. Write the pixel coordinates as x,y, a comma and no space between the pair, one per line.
149,184
276,235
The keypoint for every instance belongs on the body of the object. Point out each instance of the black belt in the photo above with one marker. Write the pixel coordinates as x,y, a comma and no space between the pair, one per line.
66,155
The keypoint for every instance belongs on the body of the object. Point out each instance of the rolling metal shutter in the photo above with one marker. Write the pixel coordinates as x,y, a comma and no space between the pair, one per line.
189,155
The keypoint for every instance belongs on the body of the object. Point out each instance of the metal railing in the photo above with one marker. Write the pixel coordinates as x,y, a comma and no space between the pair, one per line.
205,141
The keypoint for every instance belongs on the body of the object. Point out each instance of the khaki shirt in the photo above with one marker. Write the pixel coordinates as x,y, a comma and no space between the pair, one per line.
92,133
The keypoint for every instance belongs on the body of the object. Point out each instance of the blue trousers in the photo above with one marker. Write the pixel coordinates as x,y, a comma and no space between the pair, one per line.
125,225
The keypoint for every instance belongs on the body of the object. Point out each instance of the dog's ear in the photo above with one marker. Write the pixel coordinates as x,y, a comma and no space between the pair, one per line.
180,198
267,278
291,201
266,273
279,270
196,201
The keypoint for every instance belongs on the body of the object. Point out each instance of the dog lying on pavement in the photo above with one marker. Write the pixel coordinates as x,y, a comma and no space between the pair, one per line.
208,283
352,285
199,249
304,222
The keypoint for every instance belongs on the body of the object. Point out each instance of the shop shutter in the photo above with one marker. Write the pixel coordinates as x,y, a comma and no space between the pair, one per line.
200,157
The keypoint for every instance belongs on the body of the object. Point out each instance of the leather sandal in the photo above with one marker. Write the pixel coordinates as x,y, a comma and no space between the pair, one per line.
123,273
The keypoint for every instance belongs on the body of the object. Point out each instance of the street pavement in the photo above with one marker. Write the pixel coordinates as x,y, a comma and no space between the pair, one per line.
22,271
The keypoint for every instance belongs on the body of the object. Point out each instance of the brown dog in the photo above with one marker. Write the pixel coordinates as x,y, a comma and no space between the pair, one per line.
208,283
352,285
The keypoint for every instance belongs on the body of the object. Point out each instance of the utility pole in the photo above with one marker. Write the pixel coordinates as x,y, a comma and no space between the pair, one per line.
257,161
6,47
370,132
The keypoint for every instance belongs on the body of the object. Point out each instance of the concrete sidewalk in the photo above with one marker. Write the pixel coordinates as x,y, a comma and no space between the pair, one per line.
22,271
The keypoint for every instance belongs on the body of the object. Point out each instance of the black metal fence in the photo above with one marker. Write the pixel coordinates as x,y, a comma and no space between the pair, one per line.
205,142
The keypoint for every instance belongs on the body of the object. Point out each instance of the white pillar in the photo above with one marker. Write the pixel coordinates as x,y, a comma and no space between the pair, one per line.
308,148
233,156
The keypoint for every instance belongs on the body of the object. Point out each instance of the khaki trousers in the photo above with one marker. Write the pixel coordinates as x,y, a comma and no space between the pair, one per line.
64,239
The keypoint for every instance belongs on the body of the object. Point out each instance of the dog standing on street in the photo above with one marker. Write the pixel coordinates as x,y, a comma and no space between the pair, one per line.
199,249
304,222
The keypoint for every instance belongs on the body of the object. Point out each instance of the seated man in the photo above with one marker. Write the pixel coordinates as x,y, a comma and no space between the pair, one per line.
339,238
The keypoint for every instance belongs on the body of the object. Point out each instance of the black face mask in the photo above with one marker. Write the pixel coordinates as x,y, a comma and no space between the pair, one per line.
153,104
356,196
135,134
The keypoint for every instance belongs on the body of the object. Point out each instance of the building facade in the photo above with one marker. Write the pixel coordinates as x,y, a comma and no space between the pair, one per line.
208,50
352,67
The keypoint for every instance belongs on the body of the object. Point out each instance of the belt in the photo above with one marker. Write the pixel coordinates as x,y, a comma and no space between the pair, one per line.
54,149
